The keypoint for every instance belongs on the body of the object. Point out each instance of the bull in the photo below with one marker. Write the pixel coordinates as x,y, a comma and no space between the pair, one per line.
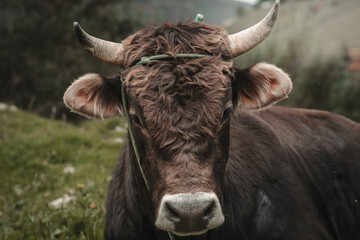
219,160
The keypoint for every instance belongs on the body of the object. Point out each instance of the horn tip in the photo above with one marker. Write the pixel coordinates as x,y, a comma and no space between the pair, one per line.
277,3
83,37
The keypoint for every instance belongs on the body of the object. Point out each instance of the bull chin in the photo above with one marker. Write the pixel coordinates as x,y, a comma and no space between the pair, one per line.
196,233
191,233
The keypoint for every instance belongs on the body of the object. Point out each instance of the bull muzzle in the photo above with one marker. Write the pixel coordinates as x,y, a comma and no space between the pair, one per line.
187,214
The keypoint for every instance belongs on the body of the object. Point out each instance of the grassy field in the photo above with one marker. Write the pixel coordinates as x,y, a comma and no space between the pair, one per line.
35,154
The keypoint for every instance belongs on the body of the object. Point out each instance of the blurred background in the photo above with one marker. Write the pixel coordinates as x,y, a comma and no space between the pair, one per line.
316,41
48,154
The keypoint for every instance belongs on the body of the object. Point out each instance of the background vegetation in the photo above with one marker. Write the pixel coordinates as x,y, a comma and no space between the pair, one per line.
40,56
315,42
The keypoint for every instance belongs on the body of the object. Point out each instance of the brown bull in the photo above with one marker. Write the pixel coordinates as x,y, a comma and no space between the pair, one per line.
216,167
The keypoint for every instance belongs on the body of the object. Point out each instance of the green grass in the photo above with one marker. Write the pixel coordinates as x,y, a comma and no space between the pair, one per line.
33,154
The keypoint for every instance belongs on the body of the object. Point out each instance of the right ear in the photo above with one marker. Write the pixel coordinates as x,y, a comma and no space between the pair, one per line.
94,96
260,86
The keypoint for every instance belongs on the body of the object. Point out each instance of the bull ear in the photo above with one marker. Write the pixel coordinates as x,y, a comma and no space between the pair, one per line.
260,86
94,96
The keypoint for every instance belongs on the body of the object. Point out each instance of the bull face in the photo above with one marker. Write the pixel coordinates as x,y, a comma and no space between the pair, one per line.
180,110
180,114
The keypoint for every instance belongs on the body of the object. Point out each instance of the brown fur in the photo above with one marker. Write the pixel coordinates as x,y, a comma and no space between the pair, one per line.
279,174
170,38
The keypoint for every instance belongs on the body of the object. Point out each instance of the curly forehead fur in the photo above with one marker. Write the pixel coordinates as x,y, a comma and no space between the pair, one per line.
170,38
182,99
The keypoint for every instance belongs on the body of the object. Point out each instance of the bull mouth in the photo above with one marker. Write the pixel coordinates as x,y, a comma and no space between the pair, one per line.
186,234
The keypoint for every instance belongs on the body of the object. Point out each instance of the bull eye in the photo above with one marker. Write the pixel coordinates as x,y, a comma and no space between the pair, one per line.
226,115
136,119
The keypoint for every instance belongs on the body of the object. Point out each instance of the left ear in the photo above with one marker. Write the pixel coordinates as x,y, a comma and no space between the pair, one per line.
95,96
260,86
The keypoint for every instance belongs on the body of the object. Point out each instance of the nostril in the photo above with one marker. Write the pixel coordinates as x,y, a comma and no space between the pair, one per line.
209,211
173,215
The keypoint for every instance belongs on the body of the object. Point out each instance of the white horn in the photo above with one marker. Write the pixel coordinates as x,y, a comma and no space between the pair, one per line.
247,39
104,50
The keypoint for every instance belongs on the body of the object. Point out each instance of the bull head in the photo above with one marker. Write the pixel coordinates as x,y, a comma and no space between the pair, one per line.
180,111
